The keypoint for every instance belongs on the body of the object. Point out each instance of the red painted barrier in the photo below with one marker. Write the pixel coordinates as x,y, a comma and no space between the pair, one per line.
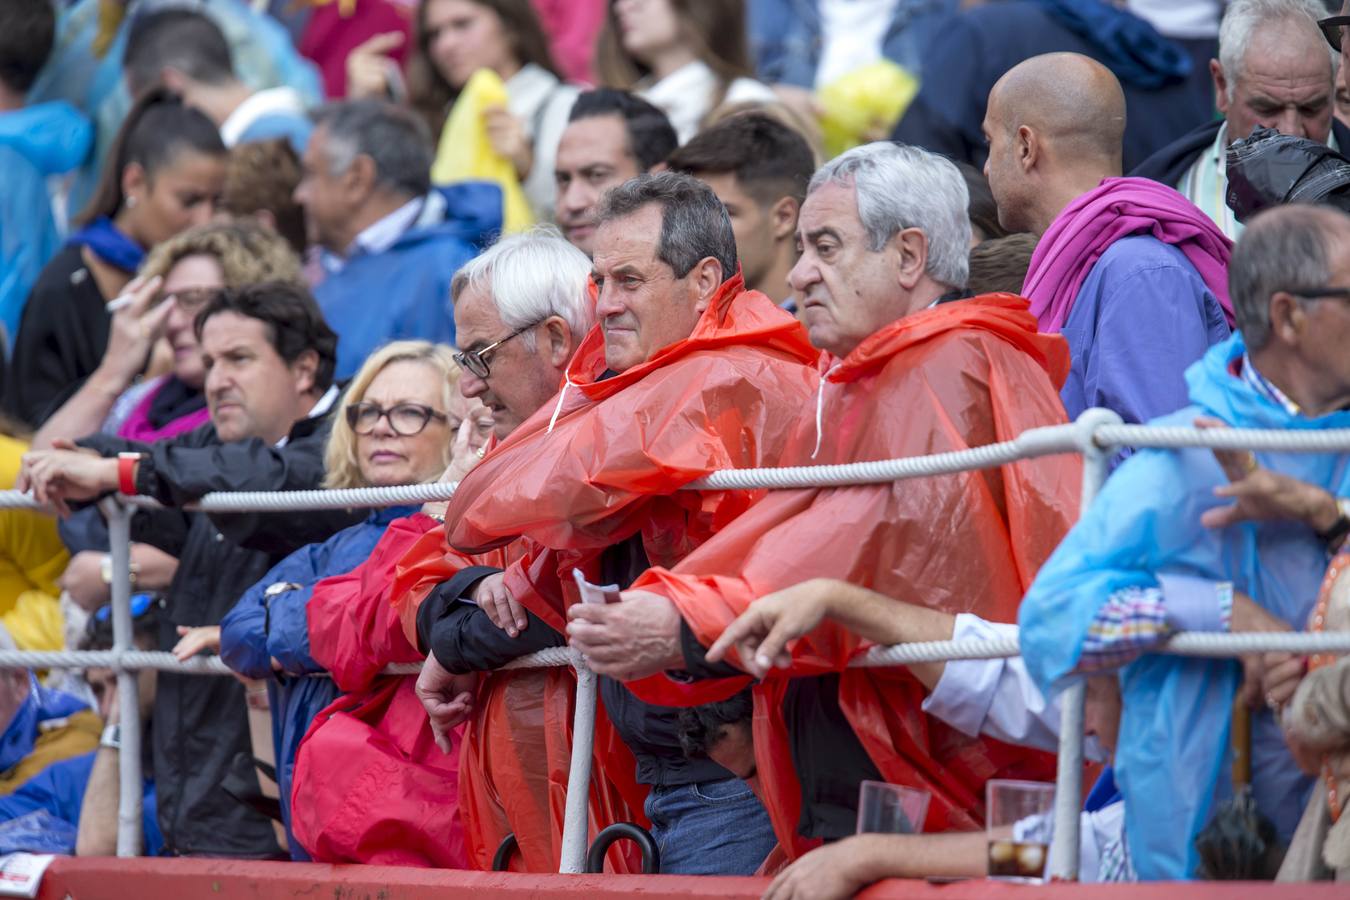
218,879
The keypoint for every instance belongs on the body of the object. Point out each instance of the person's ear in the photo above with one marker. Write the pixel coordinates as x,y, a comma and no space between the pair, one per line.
783,219
705,279
304,369
1288,318
1027,147
559,342
360,177
175,81
266,218
135,185
911,248
1220,86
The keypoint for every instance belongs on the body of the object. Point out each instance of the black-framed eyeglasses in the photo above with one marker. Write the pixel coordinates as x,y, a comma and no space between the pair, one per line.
1333,29
1323,293
476,361
406,419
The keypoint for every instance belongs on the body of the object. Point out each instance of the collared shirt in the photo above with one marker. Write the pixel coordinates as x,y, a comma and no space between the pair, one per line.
270,102
1264,386
383,234
325,403
1206,183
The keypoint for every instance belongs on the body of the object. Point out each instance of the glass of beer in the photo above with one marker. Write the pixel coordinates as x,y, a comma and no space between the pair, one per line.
1020,822
890,808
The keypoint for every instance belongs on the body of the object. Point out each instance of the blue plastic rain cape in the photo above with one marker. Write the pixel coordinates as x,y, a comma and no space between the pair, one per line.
41,705
1172,758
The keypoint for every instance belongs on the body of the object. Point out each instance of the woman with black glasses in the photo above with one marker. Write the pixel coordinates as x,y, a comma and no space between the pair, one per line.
402,421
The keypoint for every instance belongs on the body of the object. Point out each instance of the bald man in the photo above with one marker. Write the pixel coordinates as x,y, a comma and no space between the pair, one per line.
1274,69
1129,271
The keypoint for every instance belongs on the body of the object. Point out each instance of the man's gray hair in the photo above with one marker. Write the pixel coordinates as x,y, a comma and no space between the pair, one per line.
1244,18
396,140
1289,251
694,223
897,187
531,276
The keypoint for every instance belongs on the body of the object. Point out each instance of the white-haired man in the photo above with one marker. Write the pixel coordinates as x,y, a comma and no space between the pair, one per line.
1274,70
884,236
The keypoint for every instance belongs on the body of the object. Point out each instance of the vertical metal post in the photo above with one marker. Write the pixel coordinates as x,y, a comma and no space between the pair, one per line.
575,813
1064,846
129,829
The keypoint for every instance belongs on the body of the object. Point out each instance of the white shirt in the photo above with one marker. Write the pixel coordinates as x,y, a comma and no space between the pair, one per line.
852,34
687,95
320,408
262,103
1180,18
542,103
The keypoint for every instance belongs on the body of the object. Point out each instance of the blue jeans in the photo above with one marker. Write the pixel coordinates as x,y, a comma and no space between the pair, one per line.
711,828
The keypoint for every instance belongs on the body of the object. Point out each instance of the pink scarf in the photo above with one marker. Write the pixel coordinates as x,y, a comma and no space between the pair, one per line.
1119,208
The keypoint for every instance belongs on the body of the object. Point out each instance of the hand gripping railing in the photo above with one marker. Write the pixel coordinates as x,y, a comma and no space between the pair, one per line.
1096,434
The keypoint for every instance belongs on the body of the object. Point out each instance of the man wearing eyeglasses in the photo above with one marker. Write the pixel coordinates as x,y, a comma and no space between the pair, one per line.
269,357
686,373
1192,540
1273,70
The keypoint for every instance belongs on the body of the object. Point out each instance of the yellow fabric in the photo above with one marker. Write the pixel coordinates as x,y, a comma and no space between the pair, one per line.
110,16
864,105
466,154
78,735
32,558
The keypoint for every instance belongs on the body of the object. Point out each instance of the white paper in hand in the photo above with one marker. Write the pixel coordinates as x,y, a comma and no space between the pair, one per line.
21,873
595,593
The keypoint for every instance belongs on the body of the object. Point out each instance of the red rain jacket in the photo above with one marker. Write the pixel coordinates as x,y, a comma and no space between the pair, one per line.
959,375
606,460
517,748
370,784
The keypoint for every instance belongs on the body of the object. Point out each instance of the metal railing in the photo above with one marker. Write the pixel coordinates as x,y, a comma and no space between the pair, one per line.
1096,435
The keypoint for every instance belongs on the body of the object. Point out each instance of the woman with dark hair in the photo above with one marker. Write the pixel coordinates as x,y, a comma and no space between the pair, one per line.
687,57
456,38
164,175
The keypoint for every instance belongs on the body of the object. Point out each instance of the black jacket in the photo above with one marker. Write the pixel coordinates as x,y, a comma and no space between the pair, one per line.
200,722
465,640
1171,162
61,339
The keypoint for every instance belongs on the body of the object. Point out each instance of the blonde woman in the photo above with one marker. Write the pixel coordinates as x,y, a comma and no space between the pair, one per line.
399,424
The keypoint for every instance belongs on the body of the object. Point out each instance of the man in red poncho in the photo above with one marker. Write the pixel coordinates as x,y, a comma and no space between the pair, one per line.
687,373
521,309
884,234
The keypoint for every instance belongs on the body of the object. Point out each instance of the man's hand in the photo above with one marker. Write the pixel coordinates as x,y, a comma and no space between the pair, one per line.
65,473
761,633
83,580
832,872
637,637
1248,617
494,599
368,66
447,698
1263,495
192,641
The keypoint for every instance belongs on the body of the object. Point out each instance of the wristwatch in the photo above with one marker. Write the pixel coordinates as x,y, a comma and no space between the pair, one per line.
1334,536
105,570
112,737
126,472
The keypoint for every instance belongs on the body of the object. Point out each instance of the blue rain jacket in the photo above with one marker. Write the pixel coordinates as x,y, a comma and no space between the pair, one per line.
35,142
260,629
404,292
59,790
1173,761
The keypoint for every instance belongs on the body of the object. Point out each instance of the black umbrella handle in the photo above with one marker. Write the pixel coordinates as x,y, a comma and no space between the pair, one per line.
651,856
505,850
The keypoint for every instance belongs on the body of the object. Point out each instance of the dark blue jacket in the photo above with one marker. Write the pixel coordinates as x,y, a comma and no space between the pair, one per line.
404,292
1166,82
261,628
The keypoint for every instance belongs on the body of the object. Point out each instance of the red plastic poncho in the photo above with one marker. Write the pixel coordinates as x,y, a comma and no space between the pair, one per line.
957,376
370,784
607,460
517,749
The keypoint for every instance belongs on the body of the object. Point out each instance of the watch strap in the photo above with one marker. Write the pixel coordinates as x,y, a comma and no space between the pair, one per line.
126,473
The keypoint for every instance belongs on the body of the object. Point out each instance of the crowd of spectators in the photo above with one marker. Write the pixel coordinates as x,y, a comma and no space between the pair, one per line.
575,256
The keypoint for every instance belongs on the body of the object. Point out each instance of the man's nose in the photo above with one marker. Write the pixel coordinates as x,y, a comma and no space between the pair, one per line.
470,385
1291,123
803,274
